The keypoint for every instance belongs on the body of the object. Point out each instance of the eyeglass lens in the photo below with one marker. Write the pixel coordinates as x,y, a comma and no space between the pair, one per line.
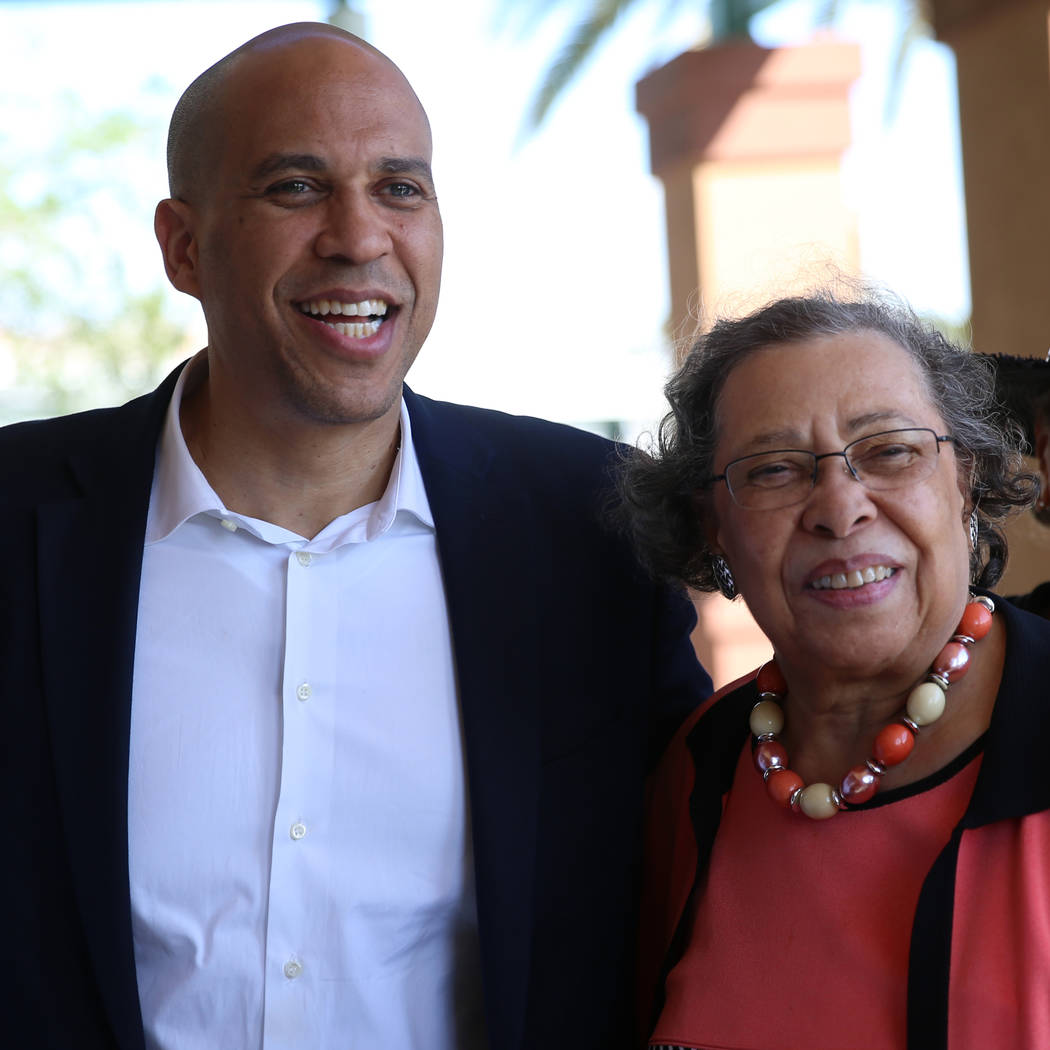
887,460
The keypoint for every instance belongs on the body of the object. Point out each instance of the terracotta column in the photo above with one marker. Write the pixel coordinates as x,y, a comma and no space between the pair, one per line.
748,142
1002,50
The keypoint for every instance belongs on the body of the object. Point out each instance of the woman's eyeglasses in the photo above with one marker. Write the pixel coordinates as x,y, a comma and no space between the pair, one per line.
890,459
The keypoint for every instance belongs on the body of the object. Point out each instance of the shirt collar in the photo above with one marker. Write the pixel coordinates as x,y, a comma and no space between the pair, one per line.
181,491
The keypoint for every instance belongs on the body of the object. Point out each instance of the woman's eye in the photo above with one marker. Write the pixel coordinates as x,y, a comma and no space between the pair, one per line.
886,453
780,472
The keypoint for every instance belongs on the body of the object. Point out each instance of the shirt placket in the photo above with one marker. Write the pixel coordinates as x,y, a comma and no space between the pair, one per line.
299,894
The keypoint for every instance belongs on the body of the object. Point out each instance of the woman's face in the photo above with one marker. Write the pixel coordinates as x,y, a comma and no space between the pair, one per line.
819,395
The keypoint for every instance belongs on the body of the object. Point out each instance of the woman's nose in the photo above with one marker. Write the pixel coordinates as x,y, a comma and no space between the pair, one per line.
839,502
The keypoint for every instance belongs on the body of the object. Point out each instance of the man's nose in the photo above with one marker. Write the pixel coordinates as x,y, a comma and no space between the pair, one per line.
356,229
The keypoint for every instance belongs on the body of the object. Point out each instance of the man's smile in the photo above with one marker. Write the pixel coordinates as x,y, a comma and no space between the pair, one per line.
373,312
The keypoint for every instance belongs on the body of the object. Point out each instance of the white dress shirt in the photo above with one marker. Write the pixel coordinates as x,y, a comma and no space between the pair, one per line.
301,867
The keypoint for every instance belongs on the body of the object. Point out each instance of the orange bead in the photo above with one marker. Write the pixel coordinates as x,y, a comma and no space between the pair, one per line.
976,621
782,785
770,679
893,744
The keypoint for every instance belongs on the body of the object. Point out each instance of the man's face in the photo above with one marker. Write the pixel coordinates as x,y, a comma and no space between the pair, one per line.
316,237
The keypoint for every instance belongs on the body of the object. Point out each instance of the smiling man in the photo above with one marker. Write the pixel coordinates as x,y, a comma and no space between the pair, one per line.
334,703
314,244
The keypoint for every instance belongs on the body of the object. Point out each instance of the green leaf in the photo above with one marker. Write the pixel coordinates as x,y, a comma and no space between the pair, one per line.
573,57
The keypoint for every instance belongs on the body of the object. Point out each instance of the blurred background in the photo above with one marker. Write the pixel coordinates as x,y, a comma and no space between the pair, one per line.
557,293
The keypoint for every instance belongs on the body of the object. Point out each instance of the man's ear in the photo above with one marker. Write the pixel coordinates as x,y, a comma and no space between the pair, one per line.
174,226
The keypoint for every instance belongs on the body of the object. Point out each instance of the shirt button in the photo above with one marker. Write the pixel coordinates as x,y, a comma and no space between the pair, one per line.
303,558
292,969
304,691
226,523
298,830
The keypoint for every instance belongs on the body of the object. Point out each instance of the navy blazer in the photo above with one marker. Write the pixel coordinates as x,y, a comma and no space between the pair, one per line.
573,671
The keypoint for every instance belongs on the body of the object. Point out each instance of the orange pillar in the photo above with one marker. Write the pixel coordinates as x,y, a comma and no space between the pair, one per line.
748,144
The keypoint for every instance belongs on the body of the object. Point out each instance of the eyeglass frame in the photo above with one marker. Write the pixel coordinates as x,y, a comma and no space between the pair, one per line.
940,439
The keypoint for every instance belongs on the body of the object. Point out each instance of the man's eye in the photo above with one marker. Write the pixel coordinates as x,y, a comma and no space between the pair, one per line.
291,187
402,190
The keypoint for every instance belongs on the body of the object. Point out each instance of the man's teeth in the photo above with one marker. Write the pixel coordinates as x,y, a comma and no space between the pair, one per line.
839,581
324,307
358,330
375,309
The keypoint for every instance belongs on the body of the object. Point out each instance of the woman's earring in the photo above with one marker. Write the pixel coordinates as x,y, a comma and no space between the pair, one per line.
723,577
974,529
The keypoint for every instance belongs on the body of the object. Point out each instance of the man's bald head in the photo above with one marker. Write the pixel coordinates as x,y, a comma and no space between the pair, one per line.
196,130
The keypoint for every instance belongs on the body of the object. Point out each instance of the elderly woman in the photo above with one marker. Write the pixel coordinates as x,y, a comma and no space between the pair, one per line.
852,848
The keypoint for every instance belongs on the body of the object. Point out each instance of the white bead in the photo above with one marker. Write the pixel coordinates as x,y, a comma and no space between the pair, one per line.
766,717
925,703
817,801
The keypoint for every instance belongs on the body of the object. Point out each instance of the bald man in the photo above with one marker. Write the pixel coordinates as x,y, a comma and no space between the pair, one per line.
327,707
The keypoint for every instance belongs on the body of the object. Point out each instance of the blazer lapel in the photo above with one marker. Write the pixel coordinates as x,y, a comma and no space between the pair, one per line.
490,599
89,562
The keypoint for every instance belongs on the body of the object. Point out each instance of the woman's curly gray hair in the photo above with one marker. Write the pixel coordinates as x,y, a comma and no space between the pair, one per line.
665,503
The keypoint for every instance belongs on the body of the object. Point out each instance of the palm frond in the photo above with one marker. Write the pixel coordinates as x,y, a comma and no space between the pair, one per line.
917,26
730,18
524,17
827,12
572,58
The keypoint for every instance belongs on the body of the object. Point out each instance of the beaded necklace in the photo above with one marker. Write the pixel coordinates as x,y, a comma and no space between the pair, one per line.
892,745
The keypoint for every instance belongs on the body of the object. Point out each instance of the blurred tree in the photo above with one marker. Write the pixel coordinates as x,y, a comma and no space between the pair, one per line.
74,332
595,19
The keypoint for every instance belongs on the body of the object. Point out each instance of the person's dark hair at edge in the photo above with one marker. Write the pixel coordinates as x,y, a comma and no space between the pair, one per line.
665,503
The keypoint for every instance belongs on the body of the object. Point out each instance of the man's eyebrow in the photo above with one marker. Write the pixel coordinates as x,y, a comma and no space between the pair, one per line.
276,162
418,166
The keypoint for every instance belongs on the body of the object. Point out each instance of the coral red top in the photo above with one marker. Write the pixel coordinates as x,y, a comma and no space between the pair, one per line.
801,936
921,919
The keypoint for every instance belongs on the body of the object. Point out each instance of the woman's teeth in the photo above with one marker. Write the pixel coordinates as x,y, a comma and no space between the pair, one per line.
838,581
